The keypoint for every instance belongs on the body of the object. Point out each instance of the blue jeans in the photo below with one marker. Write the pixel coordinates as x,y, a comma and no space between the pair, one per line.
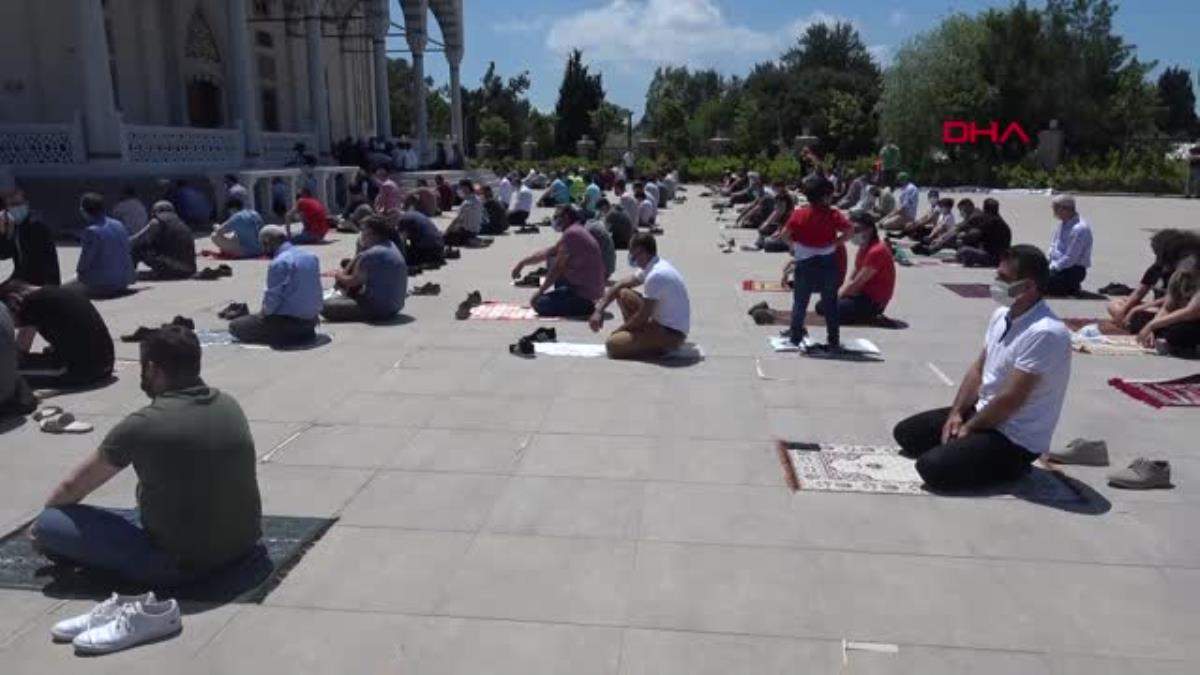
563,301
818,274
104,540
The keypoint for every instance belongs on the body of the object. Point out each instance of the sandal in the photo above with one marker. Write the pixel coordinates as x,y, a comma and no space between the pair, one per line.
46,413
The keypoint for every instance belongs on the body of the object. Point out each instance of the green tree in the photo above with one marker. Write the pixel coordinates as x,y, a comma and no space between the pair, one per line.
495,130
608,119
669,126
580,94
1178,102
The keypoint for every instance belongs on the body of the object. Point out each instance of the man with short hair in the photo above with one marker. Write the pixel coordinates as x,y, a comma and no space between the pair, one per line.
495,214
1070,251
293,297
983,240
617,221
192,205
865,296
25,239
1010,400
647,209
468,222
608,249
656,323
313,217
520,205
198,502
445,193
816,231
233,188
907,200
425,245
376,282
131,211
237,237
165,245
591,197
105,267
575,277
80,347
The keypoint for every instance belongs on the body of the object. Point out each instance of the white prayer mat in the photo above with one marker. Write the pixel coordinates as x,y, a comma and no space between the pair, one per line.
688,352
855,347
881,469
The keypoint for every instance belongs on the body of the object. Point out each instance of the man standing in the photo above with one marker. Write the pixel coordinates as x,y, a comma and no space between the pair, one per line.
376,282
654,324
293,297
26,240
1070,249
1009,402
165,245
816,231
197,495
105,267
575,280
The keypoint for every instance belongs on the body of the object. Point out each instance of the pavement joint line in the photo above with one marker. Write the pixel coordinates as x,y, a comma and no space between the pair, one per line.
279,446
940,375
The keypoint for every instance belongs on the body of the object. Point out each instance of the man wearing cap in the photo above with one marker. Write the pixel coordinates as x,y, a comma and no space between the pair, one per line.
165,245
1070,249
293,297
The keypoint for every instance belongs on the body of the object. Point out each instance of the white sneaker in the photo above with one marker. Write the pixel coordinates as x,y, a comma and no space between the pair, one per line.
67,629
134,624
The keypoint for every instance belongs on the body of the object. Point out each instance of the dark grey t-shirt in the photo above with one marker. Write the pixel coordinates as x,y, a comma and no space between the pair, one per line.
387,279
8,356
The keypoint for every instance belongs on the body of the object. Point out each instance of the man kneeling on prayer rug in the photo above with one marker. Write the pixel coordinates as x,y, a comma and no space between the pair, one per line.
1009,402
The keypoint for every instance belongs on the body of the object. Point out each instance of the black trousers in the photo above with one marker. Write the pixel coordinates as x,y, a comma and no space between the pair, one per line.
1181,337
162,266
276,330
518,217
977,460
48,371
1066,282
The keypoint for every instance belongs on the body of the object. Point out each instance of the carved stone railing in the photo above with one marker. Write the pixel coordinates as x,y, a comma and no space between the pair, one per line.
279,148
182,146
42,144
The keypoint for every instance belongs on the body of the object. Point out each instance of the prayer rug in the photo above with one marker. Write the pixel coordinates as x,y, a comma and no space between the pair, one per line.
814,319
285,539
688,352
1109,345
969,290
504,311
759,286
1181,393
881,469
1105,326
855,349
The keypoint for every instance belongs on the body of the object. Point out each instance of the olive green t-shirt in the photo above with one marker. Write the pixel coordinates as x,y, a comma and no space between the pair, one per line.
197,489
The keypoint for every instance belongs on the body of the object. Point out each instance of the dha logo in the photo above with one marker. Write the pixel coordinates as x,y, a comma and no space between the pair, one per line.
960,132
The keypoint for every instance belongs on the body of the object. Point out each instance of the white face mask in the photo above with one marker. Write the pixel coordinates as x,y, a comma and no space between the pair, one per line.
1006,293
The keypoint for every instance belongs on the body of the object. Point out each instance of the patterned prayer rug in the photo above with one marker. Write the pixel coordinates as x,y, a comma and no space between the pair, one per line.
881,469
1181,393
505,311
760,286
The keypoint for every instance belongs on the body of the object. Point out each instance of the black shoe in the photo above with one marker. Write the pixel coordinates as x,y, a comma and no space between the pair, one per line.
531,280
224,270
427,289
543,334
208,274
233,311
453,253
522,347
138,335
756,308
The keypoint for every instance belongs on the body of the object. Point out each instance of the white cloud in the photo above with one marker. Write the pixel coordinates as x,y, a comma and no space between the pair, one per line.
657,31
882,54
523,25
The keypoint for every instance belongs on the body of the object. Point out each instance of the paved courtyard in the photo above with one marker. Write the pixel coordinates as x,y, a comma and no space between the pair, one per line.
571,515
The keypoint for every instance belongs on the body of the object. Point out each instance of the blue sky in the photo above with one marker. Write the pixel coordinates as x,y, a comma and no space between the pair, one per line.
626,39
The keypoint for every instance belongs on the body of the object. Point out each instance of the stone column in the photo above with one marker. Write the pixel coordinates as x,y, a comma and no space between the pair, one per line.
415,18
101,122
317,94
456,112
383,105
245,103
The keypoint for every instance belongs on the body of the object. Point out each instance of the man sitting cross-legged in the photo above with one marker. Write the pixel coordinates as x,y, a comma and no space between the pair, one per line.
105,266
376,281
237,237
197,494
654,324
293,297
1010,400
575,280
165,245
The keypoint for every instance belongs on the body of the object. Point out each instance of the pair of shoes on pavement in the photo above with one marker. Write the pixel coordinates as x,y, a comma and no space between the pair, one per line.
54,420
474,299
427,289
524,346
531,280
452,253
1141,474
120,622
213,273
143,332
234,310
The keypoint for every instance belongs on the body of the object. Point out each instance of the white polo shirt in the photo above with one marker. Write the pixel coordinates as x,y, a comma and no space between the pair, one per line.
1036,342
522,199
664,284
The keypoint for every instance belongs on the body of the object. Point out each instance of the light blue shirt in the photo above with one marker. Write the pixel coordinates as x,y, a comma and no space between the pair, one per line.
910,199
246,224
1071,245
105,261
293,284
560,192
591,197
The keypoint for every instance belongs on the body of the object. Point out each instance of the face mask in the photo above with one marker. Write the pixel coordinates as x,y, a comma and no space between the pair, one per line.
18,213
1005,293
